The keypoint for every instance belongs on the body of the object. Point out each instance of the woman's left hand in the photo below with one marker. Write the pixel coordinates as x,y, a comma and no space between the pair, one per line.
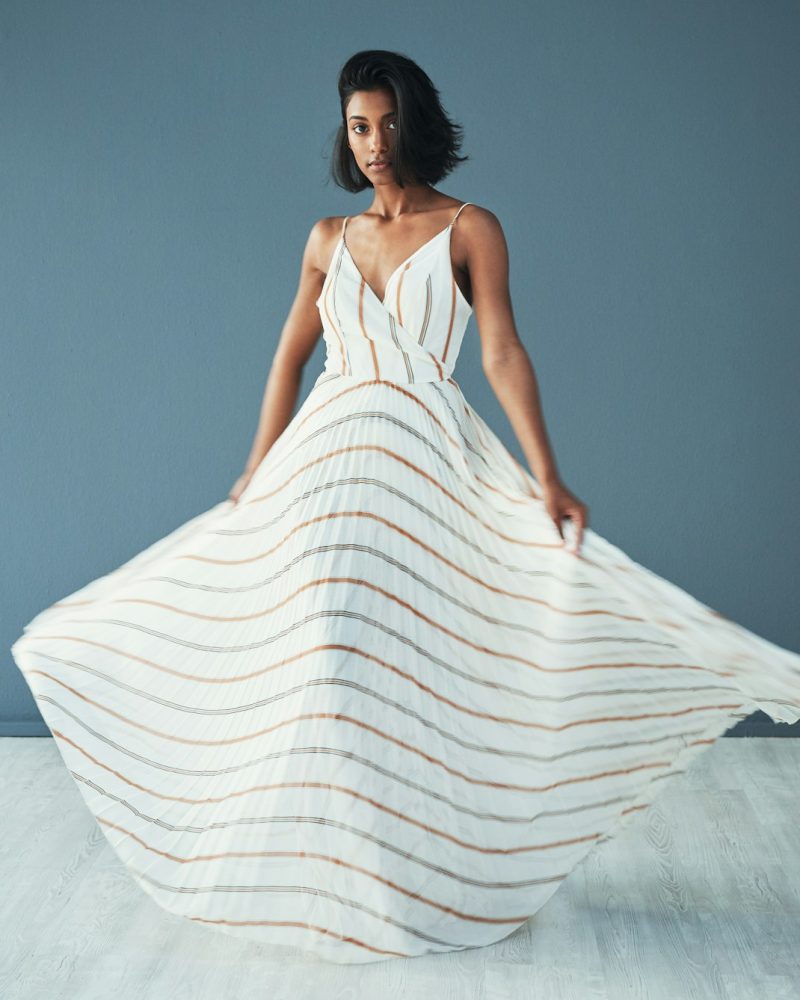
562,503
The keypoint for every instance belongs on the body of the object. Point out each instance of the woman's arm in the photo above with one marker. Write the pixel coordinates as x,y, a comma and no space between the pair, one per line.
481,244
298,338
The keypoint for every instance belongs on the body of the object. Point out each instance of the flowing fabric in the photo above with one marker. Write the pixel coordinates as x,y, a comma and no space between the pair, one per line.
378,708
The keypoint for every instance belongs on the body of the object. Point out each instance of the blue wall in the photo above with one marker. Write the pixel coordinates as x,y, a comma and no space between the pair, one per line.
162,164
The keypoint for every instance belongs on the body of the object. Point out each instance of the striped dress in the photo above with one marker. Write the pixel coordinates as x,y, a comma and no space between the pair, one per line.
378,708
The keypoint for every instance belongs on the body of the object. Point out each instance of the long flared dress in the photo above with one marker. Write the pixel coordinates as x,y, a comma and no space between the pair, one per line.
378,708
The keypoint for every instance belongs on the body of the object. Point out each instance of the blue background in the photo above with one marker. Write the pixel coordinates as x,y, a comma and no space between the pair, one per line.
163,163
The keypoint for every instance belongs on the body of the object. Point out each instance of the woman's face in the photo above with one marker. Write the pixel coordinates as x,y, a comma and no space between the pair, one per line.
371,119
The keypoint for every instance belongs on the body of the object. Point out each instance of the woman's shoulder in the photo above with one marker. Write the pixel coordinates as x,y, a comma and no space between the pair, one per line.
322,228
472,210
322,240
478,226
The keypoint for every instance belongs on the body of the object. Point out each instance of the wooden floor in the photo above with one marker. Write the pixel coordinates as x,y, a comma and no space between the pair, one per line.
699,897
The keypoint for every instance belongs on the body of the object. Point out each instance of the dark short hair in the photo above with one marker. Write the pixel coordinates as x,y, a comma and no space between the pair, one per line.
427,144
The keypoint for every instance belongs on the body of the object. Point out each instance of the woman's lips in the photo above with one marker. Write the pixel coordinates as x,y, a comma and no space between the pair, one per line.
380,166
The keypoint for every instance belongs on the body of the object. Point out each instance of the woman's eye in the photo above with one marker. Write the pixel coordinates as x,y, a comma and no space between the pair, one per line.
357,127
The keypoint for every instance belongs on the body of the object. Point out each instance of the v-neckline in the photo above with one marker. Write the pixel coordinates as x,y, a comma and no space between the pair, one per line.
402,264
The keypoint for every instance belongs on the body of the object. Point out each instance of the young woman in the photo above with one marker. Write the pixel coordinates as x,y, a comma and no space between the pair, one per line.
376,703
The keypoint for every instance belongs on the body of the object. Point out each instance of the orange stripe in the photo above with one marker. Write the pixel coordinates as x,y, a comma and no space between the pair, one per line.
361,290
348,449
398,387
336,330
394,527
340,717
214,800
313,855
319,581
398,814
385,664
326,931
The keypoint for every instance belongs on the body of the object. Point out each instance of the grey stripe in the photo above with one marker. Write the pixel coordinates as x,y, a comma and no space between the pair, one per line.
392,775
335,682
379,554
336,824
351,480
308,890
319,821
426,314
396,339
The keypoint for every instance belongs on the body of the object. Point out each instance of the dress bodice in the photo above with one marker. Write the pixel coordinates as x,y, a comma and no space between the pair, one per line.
414,334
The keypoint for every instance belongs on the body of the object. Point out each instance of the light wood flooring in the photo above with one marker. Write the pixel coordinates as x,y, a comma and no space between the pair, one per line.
698,898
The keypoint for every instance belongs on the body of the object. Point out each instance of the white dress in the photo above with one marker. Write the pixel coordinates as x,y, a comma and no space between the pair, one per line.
378,708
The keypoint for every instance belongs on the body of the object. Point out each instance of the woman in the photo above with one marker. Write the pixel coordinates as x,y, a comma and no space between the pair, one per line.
373,705
369,154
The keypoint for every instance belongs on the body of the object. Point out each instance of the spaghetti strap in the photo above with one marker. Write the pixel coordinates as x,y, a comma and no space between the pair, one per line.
459,211
344,224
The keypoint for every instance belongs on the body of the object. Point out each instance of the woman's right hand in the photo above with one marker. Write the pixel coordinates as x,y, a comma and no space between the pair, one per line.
240,485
